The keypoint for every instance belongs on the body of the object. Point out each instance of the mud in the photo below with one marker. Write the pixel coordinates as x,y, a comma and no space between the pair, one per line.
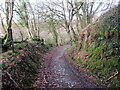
59,73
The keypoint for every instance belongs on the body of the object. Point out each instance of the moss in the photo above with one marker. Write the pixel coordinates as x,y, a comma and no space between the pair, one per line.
104,48
23,64
79,61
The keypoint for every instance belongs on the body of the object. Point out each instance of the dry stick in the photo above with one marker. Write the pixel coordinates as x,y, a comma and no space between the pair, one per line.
12,80
112,76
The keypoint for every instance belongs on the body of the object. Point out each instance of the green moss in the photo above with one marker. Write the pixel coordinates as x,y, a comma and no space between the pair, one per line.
10,52
25,64
104,52
79,61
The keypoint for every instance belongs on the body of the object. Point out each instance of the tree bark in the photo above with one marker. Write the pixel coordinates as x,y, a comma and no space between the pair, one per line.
9,5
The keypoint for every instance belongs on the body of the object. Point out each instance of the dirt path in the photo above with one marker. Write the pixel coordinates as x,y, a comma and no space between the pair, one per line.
59,73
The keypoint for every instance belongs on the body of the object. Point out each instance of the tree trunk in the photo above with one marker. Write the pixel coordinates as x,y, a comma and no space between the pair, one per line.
9,5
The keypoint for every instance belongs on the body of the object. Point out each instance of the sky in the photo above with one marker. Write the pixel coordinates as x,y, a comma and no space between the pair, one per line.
33,1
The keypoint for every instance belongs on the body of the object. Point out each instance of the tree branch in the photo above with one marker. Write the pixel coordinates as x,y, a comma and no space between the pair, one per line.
17,86
112,76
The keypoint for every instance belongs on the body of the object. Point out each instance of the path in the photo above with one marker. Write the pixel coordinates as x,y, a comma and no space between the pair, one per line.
61,74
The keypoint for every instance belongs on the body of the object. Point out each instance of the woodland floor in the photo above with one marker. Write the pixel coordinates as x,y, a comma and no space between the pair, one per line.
58,71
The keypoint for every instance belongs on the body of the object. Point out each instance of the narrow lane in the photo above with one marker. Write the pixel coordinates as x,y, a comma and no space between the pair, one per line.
63,75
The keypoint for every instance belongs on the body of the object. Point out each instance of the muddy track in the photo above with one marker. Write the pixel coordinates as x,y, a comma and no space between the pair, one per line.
59,73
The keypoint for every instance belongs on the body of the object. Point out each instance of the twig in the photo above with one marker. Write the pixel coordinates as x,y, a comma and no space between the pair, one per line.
112,76
13,80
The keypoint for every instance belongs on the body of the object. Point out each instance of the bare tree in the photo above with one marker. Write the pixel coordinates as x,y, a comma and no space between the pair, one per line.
89,10
60,11
49,18
9,5
3,26
30,17
22,12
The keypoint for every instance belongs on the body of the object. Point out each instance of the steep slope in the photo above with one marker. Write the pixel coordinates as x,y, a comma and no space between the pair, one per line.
98,48
19,68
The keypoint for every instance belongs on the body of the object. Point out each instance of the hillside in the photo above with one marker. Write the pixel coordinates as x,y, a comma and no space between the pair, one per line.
59,44
20,32
97,49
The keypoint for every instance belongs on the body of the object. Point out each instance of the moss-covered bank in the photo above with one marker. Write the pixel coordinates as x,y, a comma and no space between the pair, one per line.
98,48
20,67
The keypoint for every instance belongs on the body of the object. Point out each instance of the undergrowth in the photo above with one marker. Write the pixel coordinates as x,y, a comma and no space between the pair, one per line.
104,54
20,67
